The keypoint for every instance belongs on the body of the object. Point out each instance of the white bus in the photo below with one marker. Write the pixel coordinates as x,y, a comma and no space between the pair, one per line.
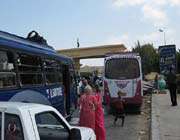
123,74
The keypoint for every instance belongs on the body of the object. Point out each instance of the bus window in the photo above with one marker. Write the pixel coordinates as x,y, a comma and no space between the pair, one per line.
60,73
122,69
60,77
7,74
30,69
53,71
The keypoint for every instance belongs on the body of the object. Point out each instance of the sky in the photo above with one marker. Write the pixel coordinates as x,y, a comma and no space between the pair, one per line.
94,22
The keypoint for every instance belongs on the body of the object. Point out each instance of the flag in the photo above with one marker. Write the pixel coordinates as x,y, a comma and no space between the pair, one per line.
78,44
160,30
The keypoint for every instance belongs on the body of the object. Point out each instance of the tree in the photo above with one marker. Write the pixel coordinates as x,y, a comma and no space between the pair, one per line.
149,57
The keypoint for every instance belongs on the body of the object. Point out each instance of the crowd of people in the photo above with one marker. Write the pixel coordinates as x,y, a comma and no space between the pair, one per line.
91,111
90,103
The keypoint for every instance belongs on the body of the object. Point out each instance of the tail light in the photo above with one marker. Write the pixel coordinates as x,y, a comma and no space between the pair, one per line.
138,89
106,93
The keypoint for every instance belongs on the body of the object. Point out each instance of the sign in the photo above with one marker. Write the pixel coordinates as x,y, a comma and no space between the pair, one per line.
54,92
167,56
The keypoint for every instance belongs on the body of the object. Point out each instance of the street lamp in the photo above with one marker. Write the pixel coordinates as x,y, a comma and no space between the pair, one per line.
162,31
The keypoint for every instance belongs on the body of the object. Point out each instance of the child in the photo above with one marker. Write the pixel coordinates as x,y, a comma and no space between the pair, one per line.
118,107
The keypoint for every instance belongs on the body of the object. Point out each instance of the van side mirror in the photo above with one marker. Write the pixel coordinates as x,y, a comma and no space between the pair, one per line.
75,134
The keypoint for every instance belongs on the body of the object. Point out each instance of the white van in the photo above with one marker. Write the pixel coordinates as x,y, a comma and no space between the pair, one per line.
26,121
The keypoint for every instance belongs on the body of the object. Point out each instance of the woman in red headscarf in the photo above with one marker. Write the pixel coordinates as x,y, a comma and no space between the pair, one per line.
88,105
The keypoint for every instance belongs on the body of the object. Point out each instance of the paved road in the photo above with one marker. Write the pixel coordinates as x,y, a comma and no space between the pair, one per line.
136,127
166,125
130,131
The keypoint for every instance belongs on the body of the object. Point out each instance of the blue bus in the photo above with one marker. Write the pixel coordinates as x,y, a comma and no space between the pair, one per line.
33,72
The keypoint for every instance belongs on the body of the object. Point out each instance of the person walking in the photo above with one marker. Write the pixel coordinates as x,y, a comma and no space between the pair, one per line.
83,85
171,81
99,116
88,104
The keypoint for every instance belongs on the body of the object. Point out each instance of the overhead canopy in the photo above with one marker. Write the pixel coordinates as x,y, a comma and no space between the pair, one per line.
92,52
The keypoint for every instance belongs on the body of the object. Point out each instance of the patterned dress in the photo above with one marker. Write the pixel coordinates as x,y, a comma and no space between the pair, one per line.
88,105
99,120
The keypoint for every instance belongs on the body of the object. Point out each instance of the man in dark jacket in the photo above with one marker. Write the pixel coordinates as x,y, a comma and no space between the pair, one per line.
171,81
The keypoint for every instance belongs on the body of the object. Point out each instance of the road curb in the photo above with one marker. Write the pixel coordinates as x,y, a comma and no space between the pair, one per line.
155,120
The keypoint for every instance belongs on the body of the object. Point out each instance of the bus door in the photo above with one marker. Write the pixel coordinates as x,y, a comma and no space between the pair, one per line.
66,83
73,90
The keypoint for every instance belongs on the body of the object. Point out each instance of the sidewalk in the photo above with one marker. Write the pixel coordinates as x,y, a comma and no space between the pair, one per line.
165,123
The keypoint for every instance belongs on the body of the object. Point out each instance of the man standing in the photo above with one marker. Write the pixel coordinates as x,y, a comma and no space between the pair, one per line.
171,81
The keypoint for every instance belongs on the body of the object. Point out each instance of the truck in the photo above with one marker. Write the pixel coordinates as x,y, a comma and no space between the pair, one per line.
29,121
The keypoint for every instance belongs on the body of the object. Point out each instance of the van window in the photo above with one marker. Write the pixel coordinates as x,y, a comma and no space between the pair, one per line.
7,70
13,128
51,127
30,69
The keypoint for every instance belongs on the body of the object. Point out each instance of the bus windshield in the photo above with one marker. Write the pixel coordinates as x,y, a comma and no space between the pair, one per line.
122,68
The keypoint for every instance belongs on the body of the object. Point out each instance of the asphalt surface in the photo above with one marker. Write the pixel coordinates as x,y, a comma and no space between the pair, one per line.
165,118
136,127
